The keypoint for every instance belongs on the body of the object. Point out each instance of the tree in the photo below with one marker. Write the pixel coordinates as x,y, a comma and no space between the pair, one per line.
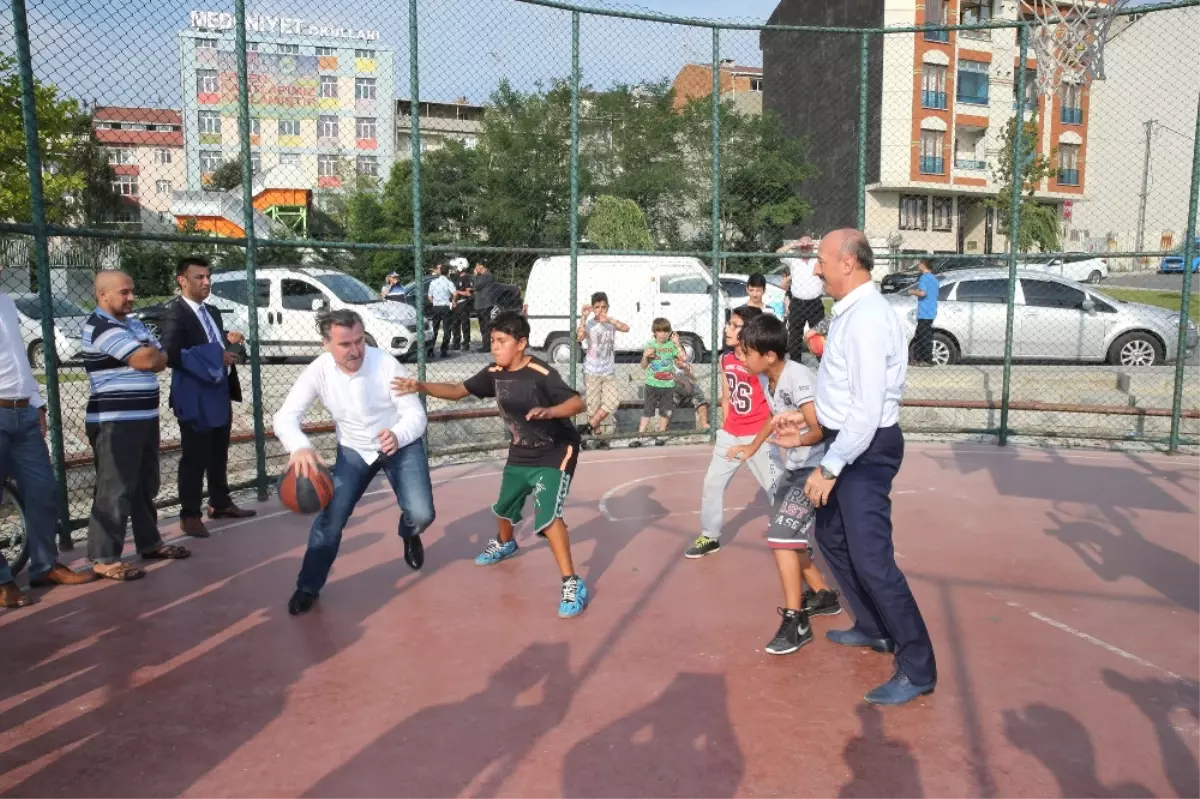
1038,220
618,224
76,179
226,177
449,194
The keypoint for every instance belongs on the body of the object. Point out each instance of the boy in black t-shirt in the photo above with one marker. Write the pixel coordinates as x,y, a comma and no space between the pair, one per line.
537,406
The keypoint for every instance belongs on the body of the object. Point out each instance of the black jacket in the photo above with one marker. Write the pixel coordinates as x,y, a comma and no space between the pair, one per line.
181,329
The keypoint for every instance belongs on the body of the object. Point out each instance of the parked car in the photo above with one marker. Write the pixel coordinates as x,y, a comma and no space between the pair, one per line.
507,297
734,287
68,328
639,287
899,282
1174,261
1081,267
1055,320
289,299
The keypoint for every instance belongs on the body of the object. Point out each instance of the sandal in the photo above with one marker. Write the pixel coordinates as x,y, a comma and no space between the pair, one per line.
167,552
119,571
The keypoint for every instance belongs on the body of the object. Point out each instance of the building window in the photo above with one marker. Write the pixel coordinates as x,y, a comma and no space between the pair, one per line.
289,159
207,81
1068,164
119,155
255,163
209,160
252,47
210,122
932,162
162,156
364,53
126,185
364,88
327,127
367,166
206,44
289,49
976,12
162,186
1072,104
326,51
364,128
756,85
1031,95
255,126
125,214
973,82
943,213
914,212
935,14
329,86
933,86
289,127
327,166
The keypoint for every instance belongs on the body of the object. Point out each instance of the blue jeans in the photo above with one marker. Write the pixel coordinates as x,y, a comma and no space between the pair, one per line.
24,457
408,472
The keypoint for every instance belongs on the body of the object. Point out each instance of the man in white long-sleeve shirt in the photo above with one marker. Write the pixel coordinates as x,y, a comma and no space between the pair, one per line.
858,406
376,430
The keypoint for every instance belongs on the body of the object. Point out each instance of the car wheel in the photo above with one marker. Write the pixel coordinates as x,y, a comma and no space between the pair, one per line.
14,535
1136,349
153,329
37,355
945,351
558,350
1094,277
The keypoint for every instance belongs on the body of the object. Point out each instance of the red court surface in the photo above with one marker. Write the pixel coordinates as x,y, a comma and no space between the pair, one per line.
1061,590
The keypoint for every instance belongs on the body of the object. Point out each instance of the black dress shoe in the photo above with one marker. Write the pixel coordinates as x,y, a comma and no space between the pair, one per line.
414,551
301,602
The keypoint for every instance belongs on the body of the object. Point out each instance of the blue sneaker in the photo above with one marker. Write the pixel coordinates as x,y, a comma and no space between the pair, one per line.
574,597
898,690
495,552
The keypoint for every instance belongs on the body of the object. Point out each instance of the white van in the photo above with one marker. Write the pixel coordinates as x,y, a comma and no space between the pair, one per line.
289,299
639,288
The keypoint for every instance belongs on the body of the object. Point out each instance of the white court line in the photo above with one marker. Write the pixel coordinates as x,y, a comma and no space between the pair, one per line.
608,494
1116,650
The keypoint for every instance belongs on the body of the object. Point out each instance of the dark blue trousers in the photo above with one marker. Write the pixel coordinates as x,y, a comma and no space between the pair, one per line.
854,531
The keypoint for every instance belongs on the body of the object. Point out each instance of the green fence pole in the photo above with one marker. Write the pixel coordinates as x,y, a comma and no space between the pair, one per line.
862,131
414,81
574,192
1014,230
716,233
260,433
1189,253
41,251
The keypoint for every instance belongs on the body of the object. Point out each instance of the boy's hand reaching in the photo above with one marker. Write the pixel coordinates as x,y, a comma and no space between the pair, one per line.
585,312
540,413
405,385
648,353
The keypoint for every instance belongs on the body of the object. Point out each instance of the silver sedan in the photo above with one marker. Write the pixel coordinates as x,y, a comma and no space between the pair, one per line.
1054,320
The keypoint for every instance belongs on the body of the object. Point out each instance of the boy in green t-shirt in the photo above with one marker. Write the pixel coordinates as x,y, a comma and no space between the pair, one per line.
660,357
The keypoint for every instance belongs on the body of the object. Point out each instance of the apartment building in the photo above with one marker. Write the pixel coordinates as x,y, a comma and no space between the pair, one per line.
937,107
144,147
740,84
440,122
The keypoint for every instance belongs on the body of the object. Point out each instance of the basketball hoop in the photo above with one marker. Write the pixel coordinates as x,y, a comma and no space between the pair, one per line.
1068,37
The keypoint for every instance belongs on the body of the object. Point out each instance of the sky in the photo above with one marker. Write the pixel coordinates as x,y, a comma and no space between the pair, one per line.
126,53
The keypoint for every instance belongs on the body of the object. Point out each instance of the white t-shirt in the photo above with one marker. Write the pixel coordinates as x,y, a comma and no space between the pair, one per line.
796,386
805,285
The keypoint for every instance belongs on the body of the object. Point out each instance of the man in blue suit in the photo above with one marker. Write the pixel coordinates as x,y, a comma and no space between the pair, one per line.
193,326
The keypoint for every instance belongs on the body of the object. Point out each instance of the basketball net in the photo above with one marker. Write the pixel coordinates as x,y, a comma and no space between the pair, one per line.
1068,37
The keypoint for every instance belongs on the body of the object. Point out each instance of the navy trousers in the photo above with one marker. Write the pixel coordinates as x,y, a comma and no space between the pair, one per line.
854,531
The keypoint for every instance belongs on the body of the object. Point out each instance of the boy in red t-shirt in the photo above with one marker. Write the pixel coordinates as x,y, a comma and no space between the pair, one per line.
744,412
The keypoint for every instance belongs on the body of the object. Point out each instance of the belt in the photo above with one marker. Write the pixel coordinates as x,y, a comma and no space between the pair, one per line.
14,403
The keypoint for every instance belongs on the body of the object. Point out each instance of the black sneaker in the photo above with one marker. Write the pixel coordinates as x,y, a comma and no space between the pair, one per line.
703,546
822,603
584,429
794,632
600,444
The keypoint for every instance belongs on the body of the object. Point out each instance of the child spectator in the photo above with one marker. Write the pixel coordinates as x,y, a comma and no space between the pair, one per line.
659,358
688,394
598,332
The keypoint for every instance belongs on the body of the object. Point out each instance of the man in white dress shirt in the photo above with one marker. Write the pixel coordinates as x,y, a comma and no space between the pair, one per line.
376,430
806,289
858,405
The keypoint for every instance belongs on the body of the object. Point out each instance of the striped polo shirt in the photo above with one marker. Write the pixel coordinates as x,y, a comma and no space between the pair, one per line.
120,393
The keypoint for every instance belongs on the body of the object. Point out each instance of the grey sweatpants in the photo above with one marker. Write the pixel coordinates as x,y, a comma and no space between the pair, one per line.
765,467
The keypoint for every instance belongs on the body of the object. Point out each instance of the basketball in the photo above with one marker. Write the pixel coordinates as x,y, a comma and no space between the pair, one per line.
306,495
816,344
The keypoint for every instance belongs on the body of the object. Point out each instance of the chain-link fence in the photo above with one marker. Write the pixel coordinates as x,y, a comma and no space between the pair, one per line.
431,164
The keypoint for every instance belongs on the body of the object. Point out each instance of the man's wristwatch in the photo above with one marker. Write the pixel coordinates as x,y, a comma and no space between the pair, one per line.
828,475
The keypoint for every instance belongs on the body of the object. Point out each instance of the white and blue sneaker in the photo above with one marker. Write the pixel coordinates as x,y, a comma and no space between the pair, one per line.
495,552
574,597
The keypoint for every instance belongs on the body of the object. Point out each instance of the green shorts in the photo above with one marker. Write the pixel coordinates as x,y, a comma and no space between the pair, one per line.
548,485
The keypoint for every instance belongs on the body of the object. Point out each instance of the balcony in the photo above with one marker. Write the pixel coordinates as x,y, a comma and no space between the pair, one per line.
930,99
1068,177
932,166
966,163
1071,116
942,36
979,36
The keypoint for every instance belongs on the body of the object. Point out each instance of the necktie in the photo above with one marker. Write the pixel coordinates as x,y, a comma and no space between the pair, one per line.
209,328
